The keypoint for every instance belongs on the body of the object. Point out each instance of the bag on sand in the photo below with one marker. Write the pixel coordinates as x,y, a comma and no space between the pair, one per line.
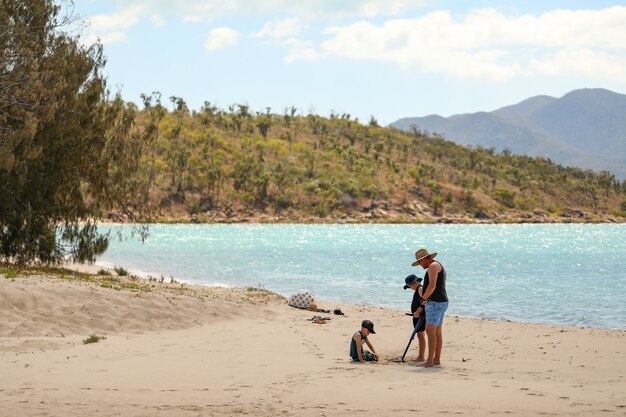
303,299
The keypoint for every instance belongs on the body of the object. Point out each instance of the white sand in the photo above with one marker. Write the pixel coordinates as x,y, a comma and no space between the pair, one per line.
220,352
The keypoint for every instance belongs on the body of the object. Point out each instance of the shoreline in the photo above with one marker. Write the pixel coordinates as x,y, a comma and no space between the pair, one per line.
609,219
92,269
385,214
184,350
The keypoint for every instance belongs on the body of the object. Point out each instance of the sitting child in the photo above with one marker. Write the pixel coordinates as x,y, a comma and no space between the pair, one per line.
356,343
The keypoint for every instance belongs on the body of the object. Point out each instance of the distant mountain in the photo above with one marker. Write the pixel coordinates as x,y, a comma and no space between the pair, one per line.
584,128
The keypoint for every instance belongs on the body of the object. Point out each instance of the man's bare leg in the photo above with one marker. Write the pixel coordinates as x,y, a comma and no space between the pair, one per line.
437,357
431,332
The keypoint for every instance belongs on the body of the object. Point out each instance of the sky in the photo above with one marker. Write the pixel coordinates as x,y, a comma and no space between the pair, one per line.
383,58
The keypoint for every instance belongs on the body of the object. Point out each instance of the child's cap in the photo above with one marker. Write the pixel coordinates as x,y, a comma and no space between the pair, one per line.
368,325
410,280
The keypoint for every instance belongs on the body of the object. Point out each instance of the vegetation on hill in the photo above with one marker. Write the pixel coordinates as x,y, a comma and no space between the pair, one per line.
235,164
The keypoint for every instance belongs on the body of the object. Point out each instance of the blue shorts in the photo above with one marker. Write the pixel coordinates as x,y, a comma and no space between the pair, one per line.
434,312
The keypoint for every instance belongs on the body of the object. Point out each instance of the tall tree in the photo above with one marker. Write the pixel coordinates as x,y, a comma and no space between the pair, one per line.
68,150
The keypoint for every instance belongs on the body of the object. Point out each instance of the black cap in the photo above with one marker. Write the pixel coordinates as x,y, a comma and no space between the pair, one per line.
368,325
410,280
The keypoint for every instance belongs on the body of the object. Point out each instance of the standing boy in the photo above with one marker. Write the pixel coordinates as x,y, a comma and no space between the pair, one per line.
415,283
356,343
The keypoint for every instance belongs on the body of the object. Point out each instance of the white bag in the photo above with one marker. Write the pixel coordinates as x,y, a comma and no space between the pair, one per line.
301,300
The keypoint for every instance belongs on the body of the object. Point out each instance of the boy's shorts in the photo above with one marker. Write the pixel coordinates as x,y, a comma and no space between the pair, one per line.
367,355
422,325
434,312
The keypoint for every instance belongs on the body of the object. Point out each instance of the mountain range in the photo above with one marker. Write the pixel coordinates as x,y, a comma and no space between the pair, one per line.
585,128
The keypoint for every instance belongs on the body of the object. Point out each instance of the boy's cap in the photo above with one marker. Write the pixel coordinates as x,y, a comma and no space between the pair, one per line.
410,280
368,325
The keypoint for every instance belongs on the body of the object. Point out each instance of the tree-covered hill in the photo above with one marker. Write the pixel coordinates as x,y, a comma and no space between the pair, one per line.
238,165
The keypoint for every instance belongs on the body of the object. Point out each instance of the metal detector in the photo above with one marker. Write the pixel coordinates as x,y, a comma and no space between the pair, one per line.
417,326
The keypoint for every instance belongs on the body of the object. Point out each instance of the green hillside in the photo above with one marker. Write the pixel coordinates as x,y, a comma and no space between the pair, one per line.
238,165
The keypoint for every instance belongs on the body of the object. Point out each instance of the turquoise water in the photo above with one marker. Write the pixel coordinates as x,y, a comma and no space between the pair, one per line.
552,273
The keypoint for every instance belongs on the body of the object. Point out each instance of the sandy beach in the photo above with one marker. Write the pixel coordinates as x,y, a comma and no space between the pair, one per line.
180,350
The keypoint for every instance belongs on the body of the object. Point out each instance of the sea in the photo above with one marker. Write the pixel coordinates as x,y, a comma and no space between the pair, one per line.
566,274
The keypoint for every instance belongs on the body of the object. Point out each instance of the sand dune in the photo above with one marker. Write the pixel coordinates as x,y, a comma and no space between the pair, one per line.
191,351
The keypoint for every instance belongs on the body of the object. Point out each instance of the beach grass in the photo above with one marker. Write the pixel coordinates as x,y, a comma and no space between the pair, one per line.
121,271
138,285
118,285
93,339
8,273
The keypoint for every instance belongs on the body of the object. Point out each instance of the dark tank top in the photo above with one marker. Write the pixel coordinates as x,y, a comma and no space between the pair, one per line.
439,294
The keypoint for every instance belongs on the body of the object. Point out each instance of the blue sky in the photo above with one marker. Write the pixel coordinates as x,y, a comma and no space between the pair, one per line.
386,58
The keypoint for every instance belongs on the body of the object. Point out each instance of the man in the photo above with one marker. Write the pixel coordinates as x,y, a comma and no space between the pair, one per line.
415,283
435,301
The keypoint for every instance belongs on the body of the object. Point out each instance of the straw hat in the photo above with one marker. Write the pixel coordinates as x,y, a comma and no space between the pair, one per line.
421,254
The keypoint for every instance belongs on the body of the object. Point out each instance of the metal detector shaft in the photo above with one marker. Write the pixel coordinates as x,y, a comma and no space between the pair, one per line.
417,326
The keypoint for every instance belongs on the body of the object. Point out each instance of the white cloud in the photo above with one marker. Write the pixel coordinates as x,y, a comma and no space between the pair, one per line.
301,54
221,38
282,33
112,37
373,8
107,38
300,50
157,20
279,29
482,44
490,45
208,10
111,28
584,62
123,19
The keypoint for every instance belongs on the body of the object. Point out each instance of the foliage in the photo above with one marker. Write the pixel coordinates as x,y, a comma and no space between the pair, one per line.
118,285
93,339
68,150
8,273
619,213
121,271
505,197
234,163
